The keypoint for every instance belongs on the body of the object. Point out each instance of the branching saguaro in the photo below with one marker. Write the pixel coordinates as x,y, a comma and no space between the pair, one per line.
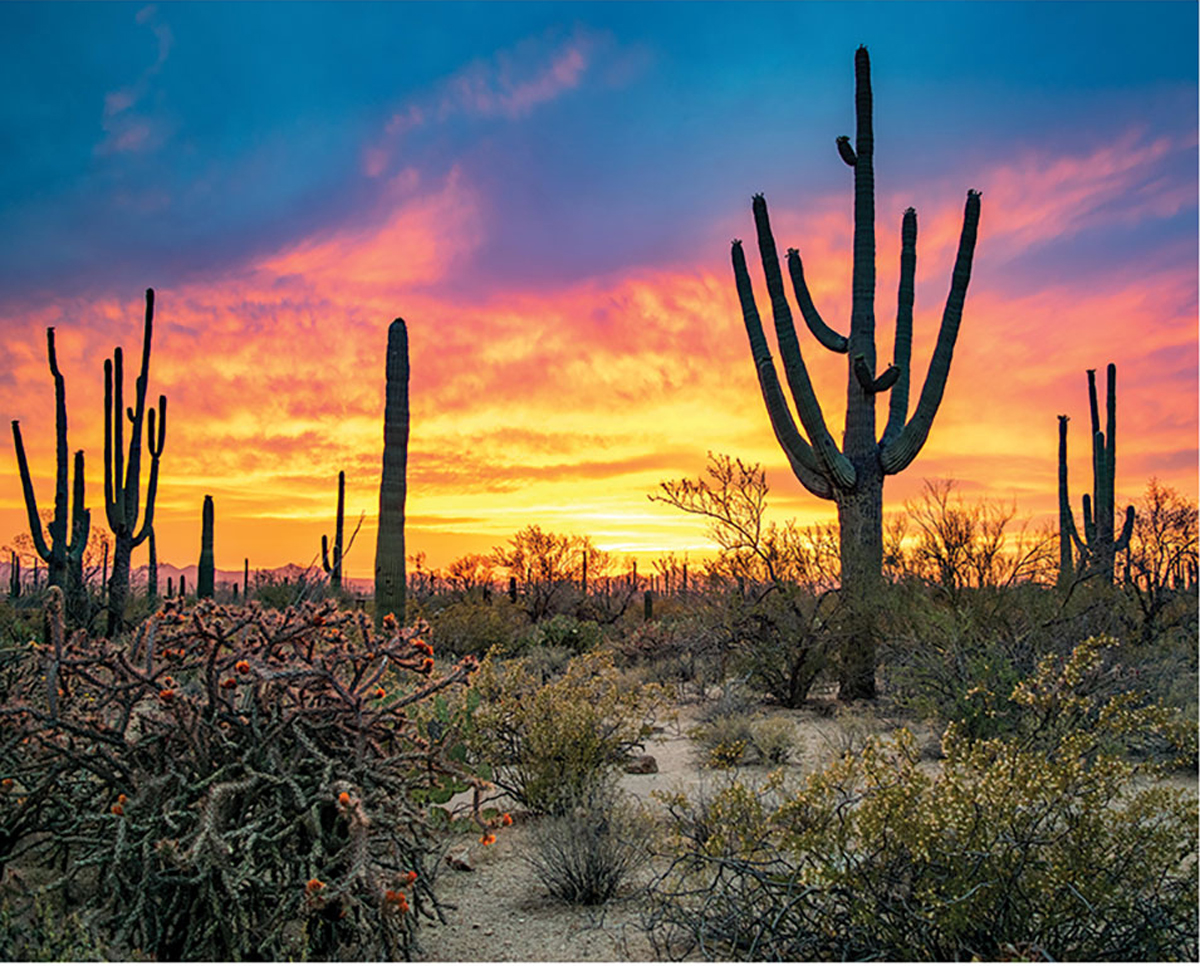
1099,546
63,553
853,475
122,478
389,546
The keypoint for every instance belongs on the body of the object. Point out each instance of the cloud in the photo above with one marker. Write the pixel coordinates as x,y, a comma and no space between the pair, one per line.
125,129
510,84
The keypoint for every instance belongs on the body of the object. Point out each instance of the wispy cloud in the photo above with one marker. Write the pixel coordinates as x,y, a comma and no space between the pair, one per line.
125,128
510,84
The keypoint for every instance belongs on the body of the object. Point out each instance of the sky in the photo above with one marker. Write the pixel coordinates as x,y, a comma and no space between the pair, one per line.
546,192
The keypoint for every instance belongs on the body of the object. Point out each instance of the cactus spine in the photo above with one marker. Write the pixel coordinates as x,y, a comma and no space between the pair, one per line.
122,479
853,475
63,553
1099,546
389,547
204,573
334,567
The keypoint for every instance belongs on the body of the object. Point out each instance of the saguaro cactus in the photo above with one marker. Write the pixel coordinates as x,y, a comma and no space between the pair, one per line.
333,566
122,479
853,475
152,569
389,546
1099,547
204,573
63,553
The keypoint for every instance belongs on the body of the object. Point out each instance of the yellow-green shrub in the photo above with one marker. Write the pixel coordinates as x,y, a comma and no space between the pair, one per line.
547,741
1040,843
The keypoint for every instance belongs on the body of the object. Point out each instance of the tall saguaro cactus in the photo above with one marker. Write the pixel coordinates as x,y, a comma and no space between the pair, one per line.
205,571
63,553
333,566
1099,547
122,478
852,476
389,546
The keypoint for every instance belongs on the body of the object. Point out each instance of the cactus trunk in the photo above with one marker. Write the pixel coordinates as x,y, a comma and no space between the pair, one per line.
389,548
152,571
204,573
853,475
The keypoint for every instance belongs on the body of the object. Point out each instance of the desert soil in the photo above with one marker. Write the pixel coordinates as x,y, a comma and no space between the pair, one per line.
504,914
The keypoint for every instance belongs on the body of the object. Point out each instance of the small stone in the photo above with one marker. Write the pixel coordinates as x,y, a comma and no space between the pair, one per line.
460,859
642,765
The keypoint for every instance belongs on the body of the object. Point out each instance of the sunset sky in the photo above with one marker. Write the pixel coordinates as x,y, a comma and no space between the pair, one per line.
546,193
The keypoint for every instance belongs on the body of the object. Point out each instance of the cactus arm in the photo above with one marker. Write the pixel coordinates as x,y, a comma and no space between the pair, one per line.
902,349
846,152
58,525
905,447
1110,450
156,438
81,520
325,554
136,418
836,466
1091,378
1126,531
35,521
1089,521
834,341
795,446
871,385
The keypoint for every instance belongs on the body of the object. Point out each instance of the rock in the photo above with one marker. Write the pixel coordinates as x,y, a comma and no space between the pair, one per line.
642,765
460,859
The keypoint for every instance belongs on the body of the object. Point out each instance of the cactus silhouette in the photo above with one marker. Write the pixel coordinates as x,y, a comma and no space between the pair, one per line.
122,479
1099,546
333,566
204,573
152,569
63,553
389,547
852,476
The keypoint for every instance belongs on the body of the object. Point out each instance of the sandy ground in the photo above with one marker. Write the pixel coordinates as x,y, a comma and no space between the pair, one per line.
505,914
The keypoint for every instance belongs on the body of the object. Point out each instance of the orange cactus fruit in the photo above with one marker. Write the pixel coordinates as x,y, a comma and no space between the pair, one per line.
242,667
118,809
506,819
6,784
487,839
229,683
166,694
410,877
427,665
121,799
380,693
314,885
344,798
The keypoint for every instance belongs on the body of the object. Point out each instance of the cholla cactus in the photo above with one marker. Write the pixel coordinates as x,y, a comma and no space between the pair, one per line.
1099,547
853,475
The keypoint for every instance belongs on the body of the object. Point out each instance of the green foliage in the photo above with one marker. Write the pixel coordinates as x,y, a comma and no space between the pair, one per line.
726,741
472,627
1045,844
566,632
44,933
233,782
547,740
590,849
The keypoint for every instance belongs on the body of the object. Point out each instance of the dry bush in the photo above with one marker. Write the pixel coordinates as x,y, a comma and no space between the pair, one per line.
233,783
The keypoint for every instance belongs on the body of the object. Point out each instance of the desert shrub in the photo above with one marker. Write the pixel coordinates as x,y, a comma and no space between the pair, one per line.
1047,843
565,632
547,663
735,739
544,740
473,627
233,782
592,846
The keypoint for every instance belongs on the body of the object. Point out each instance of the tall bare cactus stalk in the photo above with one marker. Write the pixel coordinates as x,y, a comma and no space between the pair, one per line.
206,570
1099,546
389,547
122,478
332,564
63,553
853,475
